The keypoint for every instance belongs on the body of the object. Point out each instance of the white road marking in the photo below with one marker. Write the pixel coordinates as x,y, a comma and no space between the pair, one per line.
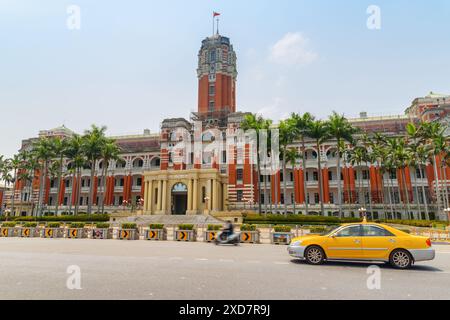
226,260
201,259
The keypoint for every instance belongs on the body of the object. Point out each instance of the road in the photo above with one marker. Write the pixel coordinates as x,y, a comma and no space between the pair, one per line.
113,269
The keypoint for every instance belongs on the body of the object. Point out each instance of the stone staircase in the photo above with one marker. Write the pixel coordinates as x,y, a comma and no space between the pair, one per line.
170,220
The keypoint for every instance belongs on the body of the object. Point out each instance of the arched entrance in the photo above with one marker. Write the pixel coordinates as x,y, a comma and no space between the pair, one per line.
179,199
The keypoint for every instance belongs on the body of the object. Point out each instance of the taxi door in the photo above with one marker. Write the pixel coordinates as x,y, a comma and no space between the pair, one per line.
377,242
346,243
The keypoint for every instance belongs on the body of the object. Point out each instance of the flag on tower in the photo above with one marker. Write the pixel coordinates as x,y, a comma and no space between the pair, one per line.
215,14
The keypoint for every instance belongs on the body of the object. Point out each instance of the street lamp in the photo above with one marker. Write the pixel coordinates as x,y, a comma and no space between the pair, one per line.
447,211
362,212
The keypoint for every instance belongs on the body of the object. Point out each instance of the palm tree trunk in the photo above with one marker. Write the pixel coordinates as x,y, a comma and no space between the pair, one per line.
78,191
284,182
390,190
258,168
71,194
59,185
91,186
444,175
305,185
424,194
265,192
417,200
102,197
295,200
14,192
437,191
406,198
370,193
43,178
339,184
319,167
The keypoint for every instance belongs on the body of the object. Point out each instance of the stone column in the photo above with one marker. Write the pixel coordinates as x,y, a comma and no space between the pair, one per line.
189,202
158,201
215,196
210,187
195,196
146,196
224,196
150,197
164,197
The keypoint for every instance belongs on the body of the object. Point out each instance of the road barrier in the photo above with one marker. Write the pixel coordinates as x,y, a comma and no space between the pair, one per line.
128,234
283,238
101,233
52,233
76,233
250,236
27,232
211,236
7,232
156,234
185,235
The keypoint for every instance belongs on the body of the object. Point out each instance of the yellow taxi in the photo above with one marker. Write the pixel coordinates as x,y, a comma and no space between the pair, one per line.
363,241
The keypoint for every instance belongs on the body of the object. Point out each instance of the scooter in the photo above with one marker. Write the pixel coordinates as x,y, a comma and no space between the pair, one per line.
223,238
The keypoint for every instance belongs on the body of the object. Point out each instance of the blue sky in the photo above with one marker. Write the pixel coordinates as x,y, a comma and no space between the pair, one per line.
133,63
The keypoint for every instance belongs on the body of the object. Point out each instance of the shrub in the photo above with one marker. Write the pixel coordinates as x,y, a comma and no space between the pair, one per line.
318,229
129,226
30,224
296,219
213,227
102,225
8,224
156,226
248,227
71,218
282,229
54,225
77,225
186,227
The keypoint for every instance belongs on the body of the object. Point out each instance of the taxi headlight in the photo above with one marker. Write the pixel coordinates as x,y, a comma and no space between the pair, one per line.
296,244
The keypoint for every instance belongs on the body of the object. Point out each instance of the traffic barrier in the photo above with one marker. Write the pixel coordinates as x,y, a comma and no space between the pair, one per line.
52,233
156,234
128,234
76,233
185,235
101,233
250,237
28,232
7,232
283,238
211,236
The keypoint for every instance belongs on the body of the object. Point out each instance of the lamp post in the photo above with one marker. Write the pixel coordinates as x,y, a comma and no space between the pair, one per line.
362,212
447,211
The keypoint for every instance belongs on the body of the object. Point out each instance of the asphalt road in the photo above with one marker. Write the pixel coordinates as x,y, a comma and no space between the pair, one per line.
113,269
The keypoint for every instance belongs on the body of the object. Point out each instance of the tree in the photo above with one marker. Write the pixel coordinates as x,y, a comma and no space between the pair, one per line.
257,123
75,153
319,131
43,151
340,129
110,151
301,125
93,143
357,157
59,146
287,136
291,157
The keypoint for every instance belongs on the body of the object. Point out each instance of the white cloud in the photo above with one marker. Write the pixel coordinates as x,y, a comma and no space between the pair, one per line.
292,50
275,110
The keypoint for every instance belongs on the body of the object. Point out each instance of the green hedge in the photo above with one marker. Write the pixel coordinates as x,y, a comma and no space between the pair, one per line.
156,226
248,227
318,229
77,225
296,219
102,225
54,225
8,224
186,227
30,224
77,218
129,225
282,229
213,227
414,223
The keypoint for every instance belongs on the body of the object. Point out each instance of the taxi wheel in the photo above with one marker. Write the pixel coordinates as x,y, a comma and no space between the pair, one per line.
314,255
401,259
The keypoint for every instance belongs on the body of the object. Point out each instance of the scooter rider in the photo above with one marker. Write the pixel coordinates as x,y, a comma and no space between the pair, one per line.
228,230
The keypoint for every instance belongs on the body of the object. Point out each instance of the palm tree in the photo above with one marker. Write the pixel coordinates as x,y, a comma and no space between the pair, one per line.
357,157
59,146
93,142
318,130
301,125
110,151
341,130
43,151
291,156
258,123
15,164
5,176
287,136
75,153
